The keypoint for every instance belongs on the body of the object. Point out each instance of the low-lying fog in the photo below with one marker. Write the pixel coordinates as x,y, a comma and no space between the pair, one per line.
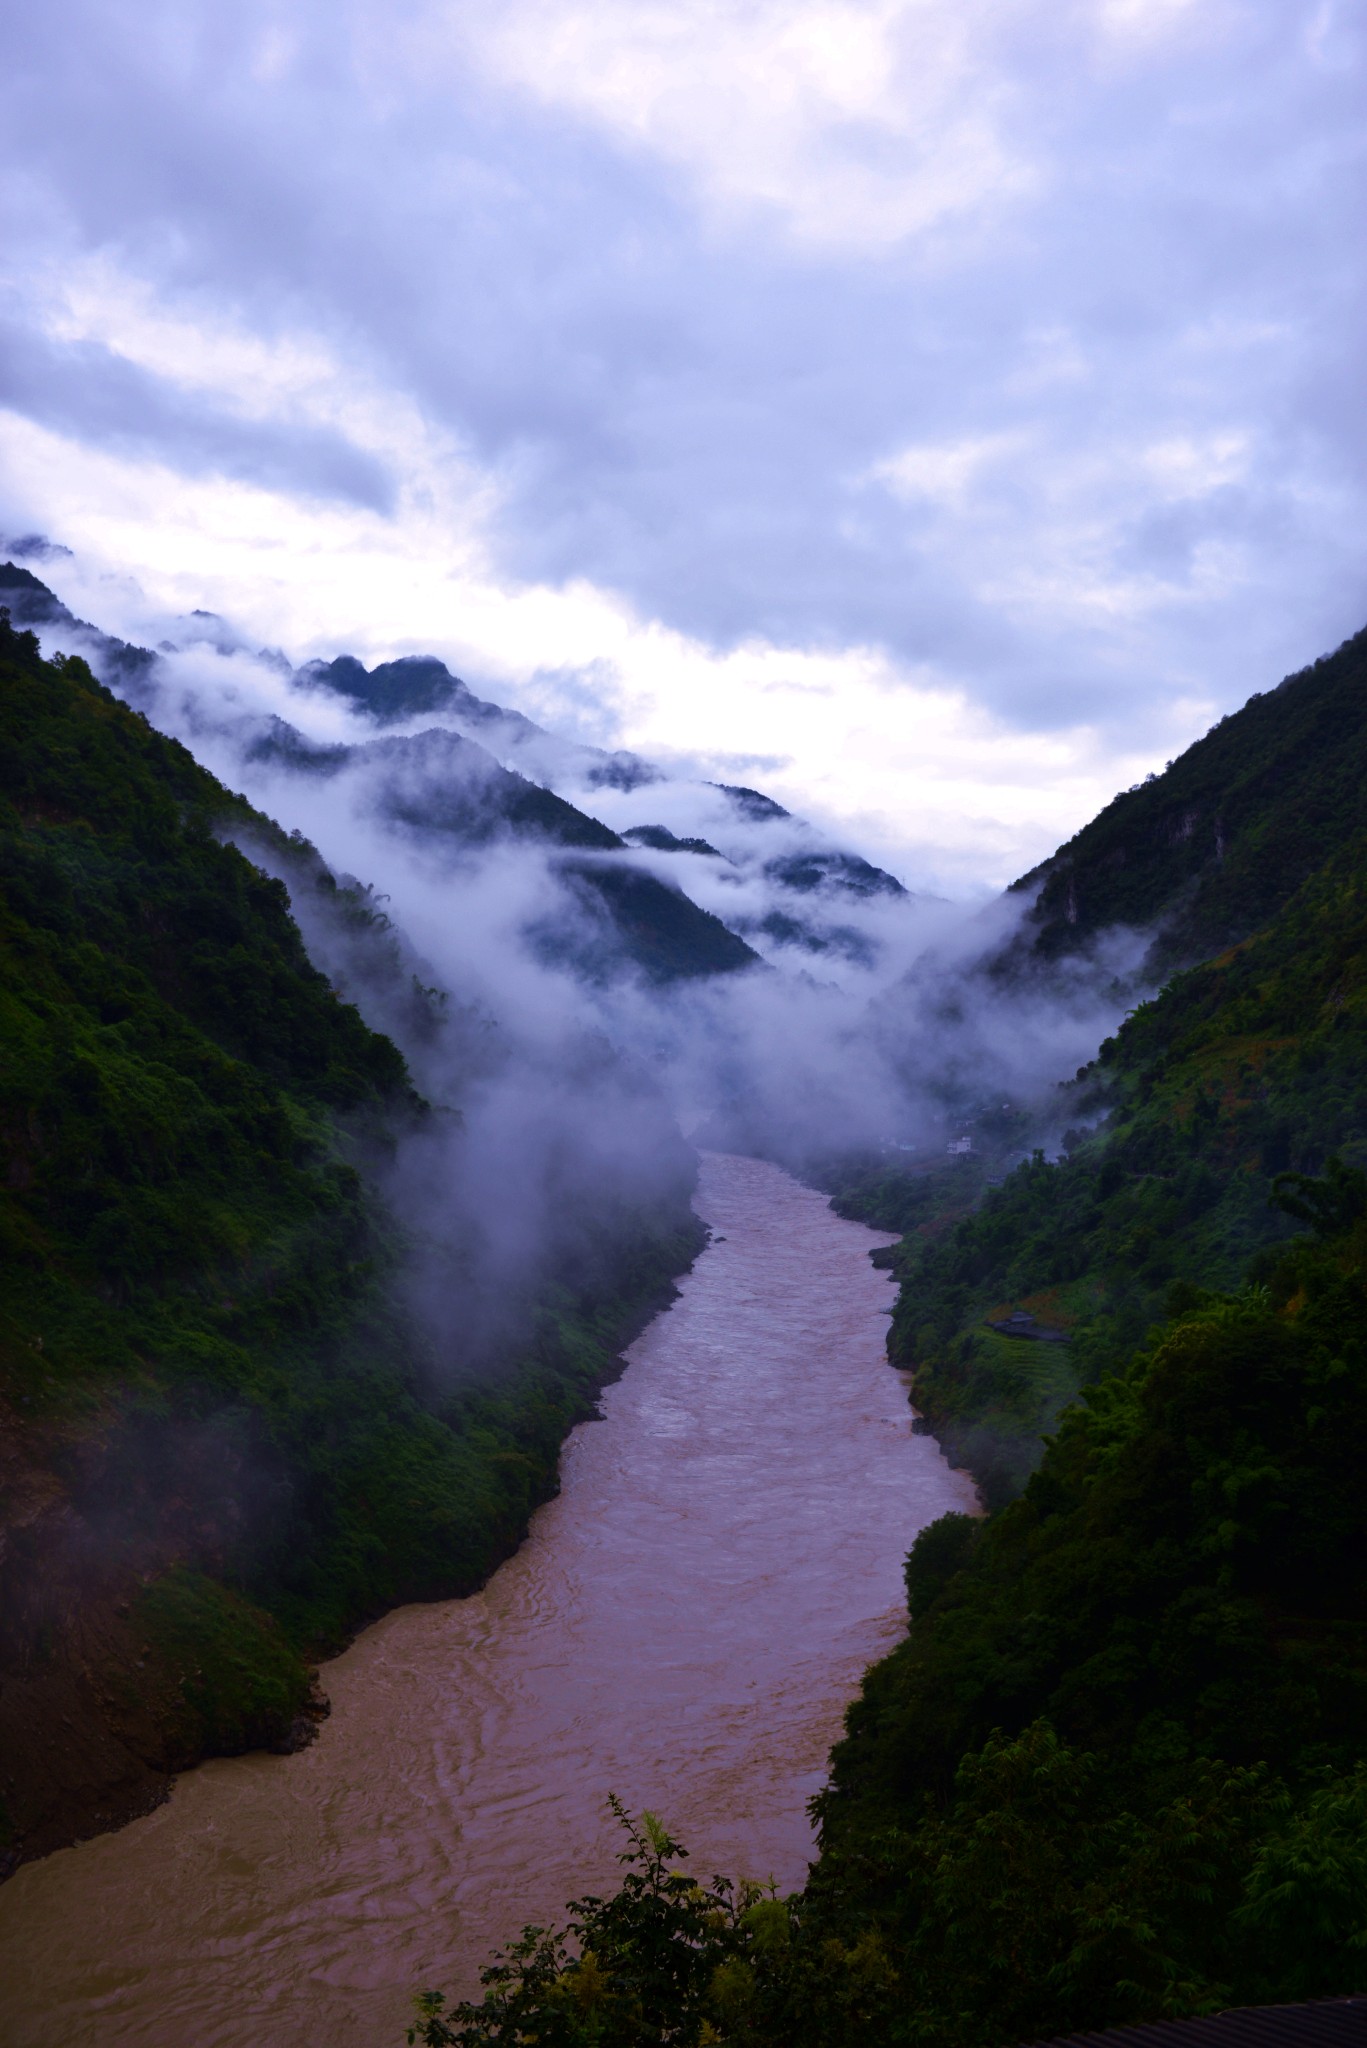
557,991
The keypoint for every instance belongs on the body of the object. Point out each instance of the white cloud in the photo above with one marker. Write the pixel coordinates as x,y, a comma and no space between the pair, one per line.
853,122
199,346
905,390
276,49
945,472
1130,25
903,762
1186,463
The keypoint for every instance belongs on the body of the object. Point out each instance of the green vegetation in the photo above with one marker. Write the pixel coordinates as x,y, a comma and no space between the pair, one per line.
668,1961
1216,846
1119,1758
202,1344
889,1197
240,1683
1115,1771
1251,850
1242,1068
647,1964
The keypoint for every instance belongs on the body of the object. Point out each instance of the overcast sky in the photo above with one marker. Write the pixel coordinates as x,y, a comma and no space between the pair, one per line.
935,411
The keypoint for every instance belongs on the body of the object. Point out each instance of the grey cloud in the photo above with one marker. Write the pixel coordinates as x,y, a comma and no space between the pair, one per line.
87,391
1164,541
868,1024
690,418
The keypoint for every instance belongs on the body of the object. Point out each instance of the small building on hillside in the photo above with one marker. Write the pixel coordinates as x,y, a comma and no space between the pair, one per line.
1020,1323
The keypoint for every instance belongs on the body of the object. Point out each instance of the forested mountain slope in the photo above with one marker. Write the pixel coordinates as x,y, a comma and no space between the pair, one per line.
453,792
1118,1770
1242,1068
223,1440
480,778
1114,1774
1213,848
1247,1064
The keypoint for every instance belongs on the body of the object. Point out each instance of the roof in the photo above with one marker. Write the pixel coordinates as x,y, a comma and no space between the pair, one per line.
1327,2023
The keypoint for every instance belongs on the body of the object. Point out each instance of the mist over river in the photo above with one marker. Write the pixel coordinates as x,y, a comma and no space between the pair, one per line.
683,1627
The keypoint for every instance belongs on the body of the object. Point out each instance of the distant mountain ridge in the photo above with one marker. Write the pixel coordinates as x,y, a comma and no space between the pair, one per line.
415,684
444,784
418,683
486,770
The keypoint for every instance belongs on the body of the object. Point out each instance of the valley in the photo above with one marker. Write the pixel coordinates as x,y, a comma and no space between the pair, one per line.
682,1626
353,1028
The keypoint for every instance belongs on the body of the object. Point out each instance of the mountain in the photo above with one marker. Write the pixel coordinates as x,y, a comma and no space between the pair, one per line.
29,601
814,869
229,1430
805,880
450,792
1115,1774
417,684
1210,850
1245,1064
660,839
33,606
253,1388
761,881
453,790
440,783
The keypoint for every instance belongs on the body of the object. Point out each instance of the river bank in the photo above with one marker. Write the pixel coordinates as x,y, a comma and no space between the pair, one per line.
123,1666
683,1626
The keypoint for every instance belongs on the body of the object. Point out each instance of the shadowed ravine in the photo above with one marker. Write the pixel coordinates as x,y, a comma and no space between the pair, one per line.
683,1627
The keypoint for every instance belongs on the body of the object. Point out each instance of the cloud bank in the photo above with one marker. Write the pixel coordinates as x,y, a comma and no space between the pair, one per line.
623,946
956,405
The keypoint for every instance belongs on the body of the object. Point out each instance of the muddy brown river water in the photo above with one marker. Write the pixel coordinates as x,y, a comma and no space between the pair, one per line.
683,1627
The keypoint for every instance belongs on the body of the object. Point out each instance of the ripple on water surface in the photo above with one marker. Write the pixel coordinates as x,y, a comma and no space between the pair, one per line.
683,1626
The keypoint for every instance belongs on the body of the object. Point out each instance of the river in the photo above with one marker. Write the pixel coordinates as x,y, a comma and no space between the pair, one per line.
683,1626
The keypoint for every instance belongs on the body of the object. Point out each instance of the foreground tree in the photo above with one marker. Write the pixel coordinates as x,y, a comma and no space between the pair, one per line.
667,1962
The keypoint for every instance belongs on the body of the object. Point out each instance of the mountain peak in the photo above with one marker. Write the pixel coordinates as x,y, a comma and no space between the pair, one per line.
392,690
751,803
